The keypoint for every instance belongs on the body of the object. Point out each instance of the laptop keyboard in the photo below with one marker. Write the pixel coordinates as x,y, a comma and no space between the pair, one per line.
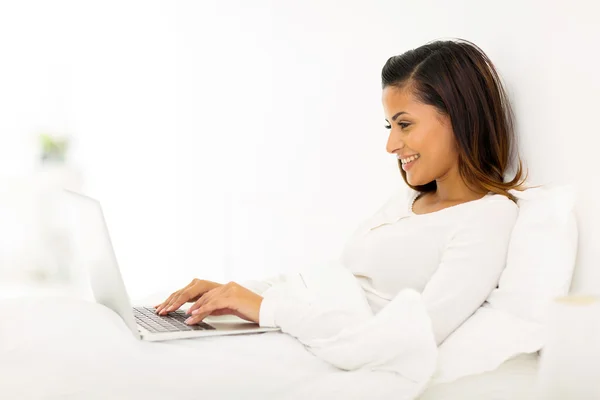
147,318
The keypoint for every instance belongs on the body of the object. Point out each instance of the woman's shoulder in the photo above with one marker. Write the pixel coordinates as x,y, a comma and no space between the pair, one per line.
500,200
495,206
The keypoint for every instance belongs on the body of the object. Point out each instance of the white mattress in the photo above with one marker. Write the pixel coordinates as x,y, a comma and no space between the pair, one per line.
513,380
67,349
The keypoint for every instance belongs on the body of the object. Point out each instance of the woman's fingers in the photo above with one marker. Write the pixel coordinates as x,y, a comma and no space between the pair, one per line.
169,304
223,311
164,302
191,292
204,311
162,305
180,300
206,297
227,299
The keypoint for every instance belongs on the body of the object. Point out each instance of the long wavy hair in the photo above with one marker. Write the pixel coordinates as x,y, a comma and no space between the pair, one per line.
459,80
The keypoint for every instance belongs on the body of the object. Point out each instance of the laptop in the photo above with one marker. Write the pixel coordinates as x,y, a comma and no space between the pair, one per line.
93,251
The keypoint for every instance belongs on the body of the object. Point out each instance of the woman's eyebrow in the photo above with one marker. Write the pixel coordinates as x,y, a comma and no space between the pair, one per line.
398,114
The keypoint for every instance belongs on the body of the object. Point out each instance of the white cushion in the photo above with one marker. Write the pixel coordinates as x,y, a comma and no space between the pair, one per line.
541,253
485,341
540,263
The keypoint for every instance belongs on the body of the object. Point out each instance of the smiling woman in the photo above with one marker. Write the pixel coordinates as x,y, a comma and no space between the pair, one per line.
450,121
451,127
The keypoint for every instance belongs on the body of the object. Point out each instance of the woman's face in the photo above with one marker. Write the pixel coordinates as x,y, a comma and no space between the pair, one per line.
418,130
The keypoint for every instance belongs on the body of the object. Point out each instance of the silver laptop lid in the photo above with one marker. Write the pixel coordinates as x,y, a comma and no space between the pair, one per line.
94,251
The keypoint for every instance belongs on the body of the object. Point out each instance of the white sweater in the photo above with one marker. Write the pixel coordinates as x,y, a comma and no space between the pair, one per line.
453,258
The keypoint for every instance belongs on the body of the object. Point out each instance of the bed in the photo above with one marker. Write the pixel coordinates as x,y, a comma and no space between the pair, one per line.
515,380
69,348
72,348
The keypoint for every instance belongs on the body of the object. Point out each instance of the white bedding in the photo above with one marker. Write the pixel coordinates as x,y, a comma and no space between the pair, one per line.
86,352
513,380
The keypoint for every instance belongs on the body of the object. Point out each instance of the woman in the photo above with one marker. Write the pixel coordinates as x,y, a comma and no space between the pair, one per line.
451,128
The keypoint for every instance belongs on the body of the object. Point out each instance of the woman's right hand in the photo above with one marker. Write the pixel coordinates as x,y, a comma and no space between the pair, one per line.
190,293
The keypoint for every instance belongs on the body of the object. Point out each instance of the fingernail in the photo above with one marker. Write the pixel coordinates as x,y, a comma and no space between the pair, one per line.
187,321
170,308
196,311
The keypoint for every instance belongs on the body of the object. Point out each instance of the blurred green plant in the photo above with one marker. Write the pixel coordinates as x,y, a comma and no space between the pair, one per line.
53,148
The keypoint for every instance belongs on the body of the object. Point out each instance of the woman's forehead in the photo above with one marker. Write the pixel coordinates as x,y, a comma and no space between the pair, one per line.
400,100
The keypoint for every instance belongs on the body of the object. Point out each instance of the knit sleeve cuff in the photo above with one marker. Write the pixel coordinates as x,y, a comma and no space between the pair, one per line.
266,315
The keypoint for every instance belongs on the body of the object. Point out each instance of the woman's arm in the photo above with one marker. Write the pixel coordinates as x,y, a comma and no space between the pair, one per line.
327,311
471,265
328,314
260,286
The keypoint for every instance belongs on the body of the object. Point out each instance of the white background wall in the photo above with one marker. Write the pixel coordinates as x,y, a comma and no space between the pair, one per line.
234,140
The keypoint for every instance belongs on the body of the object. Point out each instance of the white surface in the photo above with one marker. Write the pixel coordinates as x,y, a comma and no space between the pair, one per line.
15,290
89,354
513,380
35,242
486,340
570,362
86,352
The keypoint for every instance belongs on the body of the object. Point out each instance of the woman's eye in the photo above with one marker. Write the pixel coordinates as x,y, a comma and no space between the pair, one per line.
403,125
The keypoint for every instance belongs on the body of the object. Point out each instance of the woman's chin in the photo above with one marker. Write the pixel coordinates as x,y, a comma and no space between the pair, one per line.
415,182
411,179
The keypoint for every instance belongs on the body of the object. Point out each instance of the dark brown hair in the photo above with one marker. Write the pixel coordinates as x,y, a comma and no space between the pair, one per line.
459,80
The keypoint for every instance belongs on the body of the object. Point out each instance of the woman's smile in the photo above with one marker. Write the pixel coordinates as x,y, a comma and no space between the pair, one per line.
408,162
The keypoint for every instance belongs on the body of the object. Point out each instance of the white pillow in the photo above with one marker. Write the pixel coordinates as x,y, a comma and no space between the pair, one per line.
540,262
541,253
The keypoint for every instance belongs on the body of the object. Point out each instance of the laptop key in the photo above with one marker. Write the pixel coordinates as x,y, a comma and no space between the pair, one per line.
172,322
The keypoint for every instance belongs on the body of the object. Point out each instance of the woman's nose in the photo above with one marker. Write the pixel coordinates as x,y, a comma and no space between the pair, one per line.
394,143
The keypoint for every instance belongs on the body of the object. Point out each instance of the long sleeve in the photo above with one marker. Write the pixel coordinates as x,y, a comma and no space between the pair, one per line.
470,268
327,311
260,286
